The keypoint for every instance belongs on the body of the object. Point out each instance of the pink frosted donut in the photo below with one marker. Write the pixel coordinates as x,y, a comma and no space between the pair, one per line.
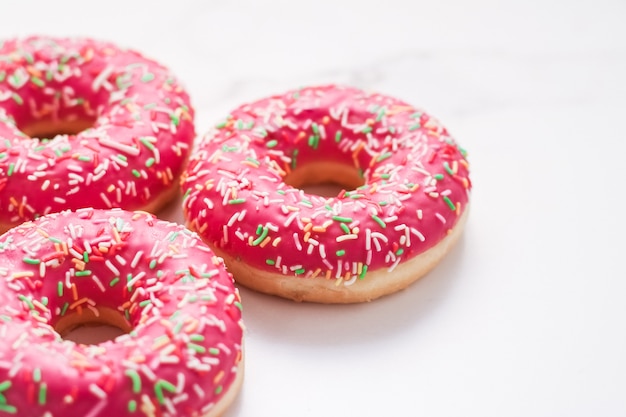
84,123
404,205
154,280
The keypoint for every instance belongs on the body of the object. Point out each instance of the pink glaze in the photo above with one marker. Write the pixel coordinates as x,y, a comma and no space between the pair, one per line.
416,183
140,139
185,348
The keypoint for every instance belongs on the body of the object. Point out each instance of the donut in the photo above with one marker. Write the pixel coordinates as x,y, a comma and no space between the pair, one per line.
181,351
403,202
84,123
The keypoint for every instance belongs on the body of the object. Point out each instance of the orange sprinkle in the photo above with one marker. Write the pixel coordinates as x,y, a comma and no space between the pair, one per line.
218,377
325,120
74,291
78,302
265,241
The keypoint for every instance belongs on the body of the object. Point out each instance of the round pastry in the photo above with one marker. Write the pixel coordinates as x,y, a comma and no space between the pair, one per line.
84,123
154,280
403,205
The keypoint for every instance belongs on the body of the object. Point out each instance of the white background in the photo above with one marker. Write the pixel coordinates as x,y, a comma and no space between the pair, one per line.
527,315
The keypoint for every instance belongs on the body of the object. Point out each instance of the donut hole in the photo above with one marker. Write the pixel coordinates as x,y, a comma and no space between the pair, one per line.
324,178
47,129
92,328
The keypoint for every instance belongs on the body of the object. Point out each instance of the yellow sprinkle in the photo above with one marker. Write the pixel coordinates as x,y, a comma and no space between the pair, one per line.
276,242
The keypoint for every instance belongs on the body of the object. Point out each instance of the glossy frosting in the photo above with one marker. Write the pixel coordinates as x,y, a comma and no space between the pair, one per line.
415,183
185,347
140,139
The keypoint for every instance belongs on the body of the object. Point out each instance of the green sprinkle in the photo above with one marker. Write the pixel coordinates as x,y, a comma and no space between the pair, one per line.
42,393
260,239
366,129
175,119
446,166
299,271
381,114
11,169
338,136
218,389
64,309
136,173
153,264
132,406
44,301
160,386
400,251
342,219
113,282
315,128
3,75
294,157
214,351
147,77
60,288
416,115
415,126
84,273
314,141
449,203
270,262
145,303
27,302
238,305
197,348
196,338
271,143
5,385
438,177
340,252
345,228
135,378
8,408
37,81
150,162
37,375
31,261
85,256
146,143
237,201
221,125
363,272
383,156
380,221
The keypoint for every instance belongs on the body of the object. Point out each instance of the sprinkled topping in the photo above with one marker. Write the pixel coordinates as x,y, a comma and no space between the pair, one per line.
415,184
138,127
184,348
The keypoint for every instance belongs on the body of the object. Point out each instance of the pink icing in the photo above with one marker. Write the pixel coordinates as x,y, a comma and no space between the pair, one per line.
415,177
139,142
185,348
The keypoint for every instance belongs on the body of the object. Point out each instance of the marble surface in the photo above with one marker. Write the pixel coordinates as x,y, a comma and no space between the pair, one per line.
526,317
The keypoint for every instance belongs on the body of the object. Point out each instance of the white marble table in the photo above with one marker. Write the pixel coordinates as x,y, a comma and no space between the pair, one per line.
527,315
